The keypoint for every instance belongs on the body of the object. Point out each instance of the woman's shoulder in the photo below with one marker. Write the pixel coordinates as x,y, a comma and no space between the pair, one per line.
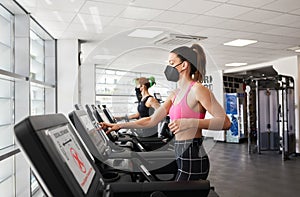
199,86
200,89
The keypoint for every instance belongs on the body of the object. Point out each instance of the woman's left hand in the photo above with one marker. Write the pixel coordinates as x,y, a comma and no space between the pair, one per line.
178,125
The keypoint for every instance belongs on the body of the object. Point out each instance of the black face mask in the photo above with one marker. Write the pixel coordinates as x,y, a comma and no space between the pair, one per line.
172,73
138,94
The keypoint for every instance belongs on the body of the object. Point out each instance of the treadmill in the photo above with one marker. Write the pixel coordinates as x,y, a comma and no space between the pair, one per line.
97,115
64,167
149,143
158,162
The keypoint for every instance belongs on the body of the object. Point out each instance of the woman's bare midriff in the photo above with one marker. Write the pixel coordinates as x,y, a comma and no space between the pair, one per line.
188,134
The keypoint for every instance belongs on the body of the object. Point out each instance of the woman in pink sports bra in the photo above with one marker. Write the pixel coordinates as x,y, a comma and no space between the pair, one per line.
186,107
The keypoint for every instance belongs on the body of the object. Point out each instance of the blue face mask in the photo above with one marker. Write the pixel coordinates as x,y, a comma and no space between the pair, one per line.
172,73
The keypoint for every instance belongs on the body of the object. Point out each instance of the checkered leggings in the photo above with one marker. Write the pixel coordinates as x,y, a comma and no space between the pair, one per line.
192,160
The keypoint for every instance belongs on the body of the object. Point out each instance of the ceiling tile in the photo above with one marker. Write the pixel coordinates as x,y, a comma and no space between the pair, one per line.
156,4
273,46
277,39
228,11
104,9
120,2
156,24
283,5
192,6
234,24
174,17
140,13
251,3
53,25
88,19
202,20
239,35
127,23
209,32
222,1
297,12
51,15
285,31
80,35
259,27
258,15
61,5
87,28
284,19
189,29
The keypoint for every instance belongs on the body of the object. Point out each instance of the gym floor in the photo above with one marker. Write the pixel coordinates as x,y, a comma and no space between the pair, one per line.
236,173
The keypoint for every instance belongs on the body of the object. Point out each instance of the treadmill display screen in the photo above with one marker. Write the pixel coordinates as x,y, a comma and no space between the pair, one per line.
87,122
72,154
110,114
103,116
94,134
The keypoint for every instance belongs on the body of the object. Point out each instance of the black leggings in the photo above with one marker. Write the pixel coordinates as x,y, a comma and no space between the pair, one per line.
191,159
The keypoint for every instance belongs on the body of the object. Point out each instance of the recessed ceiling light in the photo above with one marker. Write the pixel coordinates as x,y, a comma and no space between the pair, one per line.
144,33
297,50
240,42
236,64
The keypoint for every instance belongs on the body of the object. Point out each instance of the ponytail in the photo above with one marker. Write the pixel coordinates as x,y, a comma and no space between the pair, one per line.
151,81
199,74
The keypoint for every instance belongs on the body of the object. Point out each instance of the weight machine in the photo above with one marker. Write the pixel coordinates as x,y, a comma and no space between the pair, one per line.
275,113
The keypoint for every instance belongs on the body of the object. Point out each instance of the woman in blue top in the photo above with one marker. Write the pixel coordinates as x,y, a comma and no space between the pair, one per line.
186,106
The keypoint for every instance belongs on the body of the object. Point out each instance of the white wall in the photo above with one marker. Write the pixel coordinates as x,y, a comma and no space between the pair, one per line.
87,84
219,94
67,75
286,66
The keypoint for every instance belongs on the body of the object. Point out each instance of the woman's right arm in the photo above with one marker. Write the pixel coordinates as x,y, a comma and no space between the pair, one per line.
146,122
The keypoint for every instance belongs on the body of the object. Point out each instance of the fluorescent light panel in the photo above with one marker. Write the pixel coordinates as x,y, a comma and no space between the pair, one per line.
96,18
143,33
240,42
236,64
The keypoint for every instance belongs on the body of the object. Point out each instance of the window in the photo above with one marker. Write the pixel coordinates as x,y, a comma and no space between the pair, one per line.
6,102
25,89
37,95
116,89
7,118
6,41
37,73
37,57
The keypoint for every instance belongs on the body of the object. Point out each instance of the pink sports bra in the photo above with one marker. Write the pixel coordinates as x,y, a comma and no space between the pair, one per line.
182,110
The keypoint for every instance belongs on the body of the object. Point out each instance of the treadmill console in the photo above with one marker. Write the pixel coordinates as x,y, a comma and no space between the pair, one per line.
60,161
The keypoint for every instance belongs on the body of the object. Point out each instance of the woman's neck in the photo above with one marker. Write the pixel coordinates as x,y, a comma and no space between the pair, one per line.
145,93
184,82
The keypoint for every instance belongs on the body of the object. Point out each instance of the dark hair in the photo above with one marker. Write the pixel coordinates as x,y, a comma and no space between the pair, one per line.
200,73
148,82
196,57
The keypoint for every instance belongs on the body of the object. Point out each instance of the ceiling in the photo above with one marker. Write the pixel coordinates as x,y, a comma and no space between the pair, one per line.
105,25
